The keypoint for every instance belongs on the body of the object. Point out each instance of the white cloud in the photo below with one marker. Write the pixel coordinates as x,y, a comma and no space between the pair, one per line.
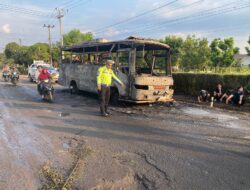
27,27
112,32
6,28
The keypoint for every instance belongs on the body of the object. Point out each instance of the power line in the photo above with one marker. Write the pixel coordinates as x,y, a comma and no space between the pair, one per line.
136,16
195,18
77,5
160,12
172,10
68,3
73,3
205,13
23,10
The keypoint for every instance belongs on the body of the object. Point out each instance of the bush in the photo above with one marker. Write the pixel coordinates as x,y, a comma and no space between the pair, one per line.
22,69
191,84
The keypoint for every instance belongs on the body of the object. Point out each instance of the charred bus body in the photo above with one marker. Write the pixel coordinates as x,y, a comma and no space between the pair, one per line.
144,66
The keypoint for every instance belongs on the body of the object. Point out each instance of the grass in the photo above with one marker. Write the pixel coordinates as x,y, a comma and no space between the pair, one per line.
52,179
245,70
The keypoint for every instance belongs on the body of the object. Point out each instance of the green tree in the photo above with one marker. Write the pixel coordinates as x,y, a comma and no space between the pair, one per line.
222,52
247,48
39,51
11,49
216,53
176,45
23,56
75,36
196,53
55,53
2,59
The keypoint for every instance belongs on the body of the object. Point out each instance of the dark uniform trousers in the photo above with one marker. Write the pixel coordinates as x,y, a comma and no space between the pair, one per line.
104,98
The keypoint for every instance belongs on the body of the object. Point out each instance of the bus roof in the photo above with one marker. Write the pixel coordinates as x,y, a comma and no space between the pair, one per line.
94,46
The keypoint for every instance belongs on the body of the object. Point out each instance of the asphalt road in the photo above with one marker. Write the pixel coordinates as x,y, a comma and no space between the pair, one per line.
138,147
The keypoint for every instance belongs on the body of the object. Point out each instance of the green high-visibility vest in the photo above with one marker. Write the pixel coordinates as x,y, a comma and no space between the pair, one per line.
105,76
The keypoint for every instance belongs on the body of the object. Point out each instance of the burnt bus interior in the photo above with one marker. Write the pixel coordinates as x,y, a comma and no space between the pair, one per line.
138,57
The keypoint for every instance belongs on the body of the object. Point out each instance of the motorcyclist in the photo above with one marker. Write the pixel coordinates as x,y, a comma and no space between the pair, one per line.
6,69
14,70
38,72
44,75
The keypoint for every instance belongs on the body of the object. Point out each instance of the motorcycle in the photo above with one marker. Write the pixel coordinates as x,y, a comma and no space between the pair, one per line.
47,90
14,78
6,76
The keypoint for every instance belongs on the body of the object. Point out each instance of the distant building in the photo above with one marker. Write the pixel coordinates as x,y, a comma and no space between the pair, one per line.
242,59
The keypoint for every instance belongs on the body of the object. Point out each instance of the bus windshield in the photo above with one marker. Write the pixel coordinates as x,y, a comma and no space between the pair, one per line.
151,62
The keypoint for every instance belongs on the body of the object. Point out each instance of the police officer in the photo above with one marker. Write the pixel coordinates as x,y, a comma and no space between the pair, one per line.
105,75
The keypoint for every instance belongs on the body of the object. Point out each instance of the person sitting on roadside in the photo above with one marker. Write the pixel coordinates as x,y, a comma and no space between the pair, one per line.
219,93
203,96
248,95
44,75
237,98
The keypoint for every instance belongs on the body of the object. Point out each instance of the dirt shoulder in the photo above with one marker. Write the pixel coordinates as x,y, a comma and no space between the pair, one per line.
217,105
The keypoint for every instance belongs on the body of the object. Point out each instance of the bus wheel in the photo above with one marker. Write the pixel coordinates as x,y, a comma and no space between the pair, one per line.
73,88
115,97
31,80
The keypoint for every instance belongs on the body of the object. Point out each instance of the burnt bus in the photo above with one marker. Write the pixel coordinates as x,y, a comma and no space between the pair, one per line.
143,65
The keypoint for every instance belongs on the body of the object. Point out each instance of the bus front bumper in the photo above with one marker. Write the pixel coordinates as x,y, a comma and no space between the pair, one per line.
142,96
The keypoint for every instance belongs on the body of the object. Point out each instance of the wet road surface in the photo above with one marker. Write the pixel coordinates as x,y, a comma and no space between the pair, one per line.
138,147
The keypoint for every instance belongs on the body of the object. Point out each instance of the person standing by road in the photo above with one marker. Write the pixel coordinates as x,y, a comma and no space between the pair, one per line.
105,75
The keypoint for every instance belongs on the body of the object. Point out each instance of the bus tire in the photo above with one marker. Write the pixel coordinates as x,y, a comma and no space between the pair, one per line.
31,80
73,88
115,97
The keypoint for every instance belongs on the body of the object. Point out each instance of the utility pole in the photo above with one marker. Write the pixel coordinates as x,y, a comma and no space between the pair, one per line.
50,48
60,15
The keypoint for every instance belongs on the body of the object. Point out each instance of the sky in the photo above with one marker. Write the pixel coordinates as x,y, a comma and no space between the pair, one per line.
22,21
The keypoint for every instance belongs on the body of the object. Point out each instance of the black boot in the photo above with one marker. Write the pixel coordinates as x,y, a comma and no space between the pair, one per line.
106,110
103,113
